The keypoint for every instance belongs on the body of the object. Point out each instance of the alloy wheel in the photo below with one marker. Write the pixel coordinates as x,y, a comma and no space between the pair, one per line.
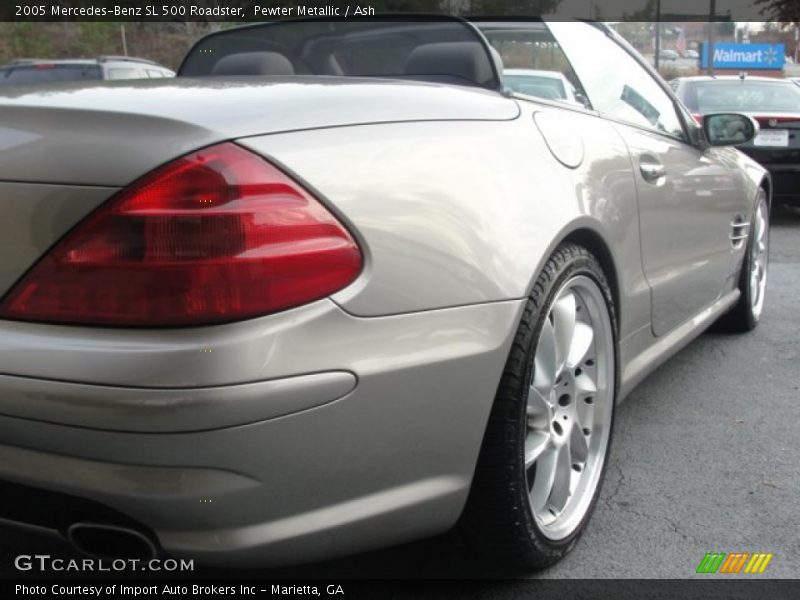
569,407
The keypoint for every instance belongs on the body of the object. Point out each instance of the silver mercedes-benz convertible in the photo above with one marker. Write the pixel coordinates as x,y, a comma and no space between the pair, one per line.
337,287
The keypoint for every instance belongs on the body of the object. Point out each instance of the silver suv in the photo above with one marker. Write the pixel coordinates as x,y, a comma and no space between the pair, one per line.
31,71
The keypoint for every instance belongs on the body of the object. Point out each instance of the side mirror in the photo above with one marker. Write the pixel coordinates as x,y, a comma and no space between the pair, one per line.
729,129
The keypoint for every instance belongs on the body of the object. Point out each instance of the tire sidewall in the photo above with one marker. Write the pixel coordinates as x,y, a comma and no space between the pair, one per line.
744,278
588,266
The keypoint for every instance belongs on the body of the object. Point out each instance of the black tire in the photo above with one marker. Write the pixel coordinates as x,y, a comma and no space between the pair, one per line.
742,317
498,521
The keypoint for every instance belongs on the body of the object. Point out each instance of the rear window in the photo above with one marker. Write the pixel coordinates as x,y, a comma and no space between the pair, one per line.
747,96
48,73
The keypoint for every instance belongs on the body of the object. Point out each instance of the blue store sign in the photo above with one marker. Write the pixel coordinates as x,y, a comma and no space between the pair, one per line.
728,55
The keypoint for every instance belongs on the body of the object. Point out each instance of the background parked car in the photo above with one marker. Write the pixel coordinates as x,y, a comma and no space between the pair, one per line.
550,85
668,55
28,71
774,103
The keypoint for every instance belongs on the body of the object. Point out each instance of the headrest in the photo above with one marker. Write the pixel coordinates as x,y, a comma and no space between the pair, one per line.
462,60
254,63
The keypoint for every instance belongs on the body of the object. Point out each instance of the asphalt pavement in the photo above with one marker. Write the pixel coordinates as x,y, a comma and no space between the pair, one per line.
705,458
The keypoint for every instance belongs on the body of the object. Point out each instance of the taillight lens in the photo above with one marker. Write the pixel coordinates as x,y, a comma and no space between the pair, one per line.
218,235
698,118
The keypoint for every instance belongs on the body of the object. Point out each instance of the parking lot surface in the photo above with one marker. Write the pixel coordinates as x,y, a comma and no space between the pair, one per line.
705,459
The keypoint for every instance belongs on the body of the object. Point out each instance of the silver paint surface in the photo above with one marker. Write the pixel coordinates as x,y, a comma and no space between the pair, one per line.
33,216
109,133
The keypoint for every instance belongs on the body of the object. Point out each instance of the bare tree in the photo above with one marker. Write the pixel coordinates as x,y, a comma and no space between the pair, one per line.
780,10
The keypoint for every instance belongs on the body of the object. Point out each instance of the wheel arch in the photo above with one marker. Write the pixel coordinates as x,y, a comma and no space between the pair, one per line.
587,233
766,184
594,243
499,425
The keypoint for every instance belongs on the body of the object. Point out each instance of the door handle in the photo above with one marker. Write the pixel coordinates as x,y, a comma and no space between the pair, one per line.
651,169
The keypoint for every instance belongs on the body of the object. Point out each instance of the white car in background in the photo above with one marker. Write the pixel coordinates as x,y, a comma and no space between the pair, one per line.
38,71
550,85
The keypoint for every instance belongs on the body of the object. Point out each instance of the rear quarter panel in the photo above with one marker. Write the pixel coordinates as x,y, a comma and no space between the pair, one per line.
465,212
34,216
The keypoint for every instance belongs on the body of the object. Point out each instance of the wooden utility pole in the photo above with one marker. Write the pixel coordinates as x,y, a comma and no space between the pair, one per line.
124,41
796,43
658,35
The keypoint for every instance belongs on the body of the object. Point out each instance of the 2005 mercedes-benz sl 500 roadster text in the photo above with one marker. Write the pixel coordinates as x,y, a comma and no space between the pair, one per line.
334,287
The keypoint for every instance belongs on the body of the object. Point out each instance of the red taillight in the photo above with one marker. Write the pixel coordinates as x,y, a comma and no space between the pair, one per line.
698,118
218,235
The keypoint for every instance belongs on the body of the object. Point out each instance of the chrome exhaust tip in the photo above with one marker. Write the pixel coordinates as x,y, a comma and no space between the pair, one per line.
100,540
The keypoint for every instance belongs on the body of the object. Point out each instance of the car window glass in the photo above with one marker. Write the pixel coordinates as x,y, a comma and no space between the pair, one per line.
48,73
625,91
123,73
533,62
153,73
536,84
746,96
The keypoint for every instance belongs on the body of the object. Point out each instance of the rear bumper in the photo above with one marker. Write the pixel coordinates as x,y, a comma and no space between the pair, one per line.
168,410
351,433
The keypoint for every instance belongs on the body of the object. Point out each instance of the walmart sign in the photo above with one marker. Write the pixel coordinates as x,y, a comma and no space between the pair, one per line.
728,55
